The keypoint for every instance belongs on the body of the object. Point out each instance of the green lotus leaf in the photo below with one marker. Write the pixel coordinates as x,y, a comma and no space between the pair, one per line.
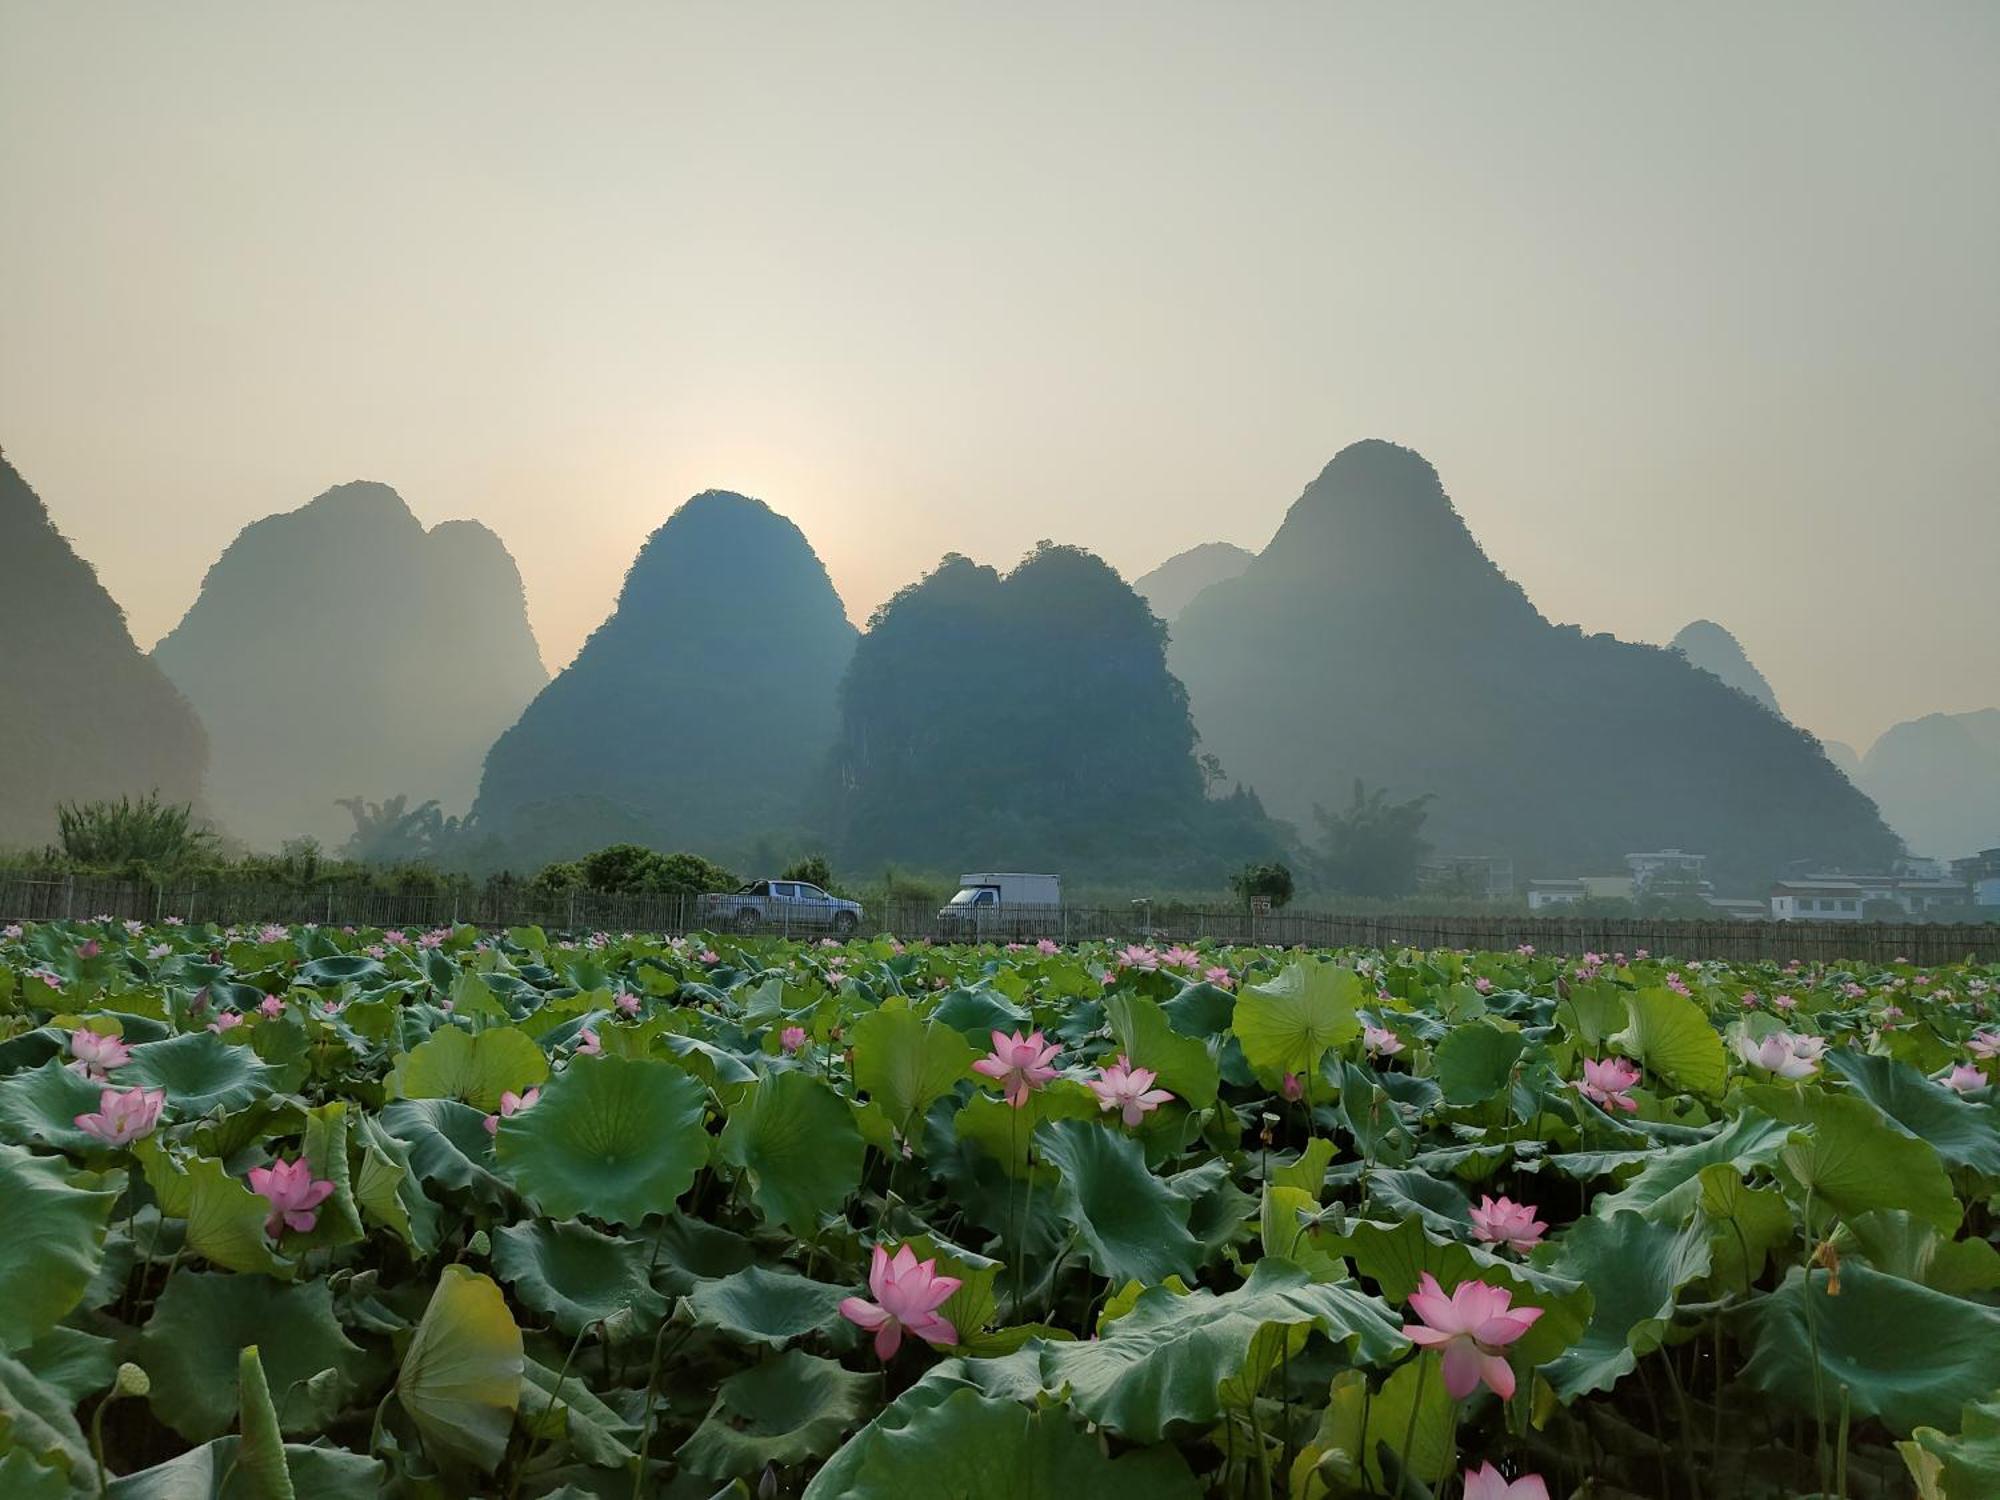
77,1363
1964,1132
784,1411
202,1323
225,1220
342,968
1668,1186
200,1072
1745,1225
574,1275
1006,1133
1144,1035
974,1447
337,1221
1966,1461
461,1376
562,1408
35,1420
22,1478
260,1455
41,1106
1160,1371
795,1140
762,1306
1286,1024
1359,1421
213,1472
611,1137
1635,1267
904,1063
1130,1225
474,1069
1850,1164
1671,1038
1908,1355
686,1251
386,1189
1475,1062
1900,1244
448,1146
53,1242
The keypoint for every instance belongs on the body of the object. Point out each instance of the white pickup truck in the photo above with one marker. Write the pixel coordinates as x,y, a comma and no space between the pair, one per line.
787,905
1014,904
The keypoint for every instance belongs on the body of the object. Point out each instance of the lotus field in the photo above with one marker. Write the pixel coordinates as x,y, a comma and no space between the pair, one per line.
350,1213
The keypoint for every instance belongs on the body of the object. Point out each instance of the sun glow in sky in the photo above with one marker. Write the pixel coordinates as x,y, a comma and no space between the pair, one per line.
1693,307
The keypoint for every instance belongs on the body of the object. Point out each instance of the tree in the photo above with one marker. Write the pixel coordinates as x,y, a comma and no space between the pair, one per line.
813,869
391,832
131,831
1271,880
1374,847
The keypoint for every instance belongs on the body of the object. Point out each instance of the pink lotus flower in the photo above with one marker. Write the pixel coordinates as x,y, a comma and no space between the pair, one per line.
1129,1090
133,927
1483,985
293,1193
96,1055
1181,958
1964,1078
1784,1002
159,951
1488,1483
511,1103
710,956
1678,985
1138,956
908,1293
90,949
1220,977
1021,1064
225,1020
1641,954
434,938
1047,947
271,1006
1783,1053
1605,1083
12,932
1502,1221
1380,1041
627,1002
793,1038
589,1046
176,921
395,937
1469,1328
376,951
1292,1087
272,932
122,1116
1984,1044
1526,950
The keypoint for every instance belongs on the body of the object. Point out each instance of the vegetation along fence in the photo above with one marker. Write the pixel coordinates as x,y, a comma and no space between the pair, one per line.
501,905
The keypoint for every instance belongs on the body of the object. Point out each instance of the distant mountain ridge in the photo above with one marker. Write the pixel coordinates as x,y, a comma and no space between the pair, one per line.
1715,650
341,650
698,715
83,713
1173,585
1374,638
1028,721
1937,781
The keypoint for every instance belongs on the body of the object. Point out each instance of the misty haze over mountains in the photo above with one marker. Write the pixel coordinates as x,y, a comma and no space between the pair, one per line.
342,650
1048,715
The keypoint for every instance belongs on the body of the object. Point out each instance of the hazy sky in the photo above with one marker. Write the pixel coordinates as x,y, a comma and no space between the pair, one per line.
1695,307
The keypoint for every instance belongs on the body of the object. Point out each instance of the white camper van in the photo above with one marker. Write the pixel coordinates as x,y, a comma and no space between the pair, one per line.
1005,905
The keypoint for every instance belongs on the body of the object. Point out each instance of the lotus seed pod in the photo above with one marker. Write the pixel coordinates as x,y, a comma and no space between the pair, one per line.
131,1381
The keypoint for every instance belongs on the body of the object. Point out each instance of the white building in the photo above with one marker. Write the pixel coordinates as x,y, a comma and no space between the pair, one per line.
1846,898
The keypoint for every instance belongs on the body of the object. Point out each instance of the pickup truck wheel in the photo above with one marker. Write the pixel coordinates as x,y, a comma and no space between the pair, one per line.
844,922
748,918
